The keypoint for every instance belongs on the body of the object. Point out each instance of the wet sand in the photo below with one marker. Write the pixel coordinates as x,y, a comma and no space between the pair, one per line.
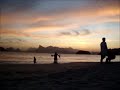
75,76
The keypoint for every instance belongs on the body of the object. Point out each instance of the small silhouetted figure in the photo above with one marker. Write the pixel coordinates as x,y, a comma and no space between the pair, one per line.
111,56
104,50
55,57
34,60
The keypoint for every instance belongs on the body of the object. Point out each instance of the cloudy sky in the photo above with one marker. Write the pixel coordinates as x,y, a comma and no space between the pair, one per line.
79,24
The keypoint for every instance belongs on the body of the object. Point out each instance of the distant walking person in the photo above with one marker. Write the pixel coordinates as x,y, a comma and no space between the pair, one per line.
34,60
104,50
55,57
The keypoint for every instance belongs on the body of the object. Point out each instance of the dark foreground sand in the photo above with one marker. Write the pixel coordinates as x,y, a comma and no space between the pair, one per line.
70,76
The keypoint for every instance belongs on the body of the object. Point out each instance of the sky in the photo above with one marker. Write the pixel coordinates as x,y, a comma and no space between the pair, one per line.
80,24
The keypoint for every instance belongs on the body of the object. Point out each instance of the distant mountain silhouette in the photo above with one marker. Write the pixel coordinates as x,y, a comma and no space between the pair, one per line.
2,49
31,49
10,49
83,52
51,49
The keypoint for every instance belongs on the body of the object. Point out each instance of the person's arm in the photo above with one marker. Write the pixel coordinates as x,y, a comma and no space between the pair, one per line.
59,55
52,55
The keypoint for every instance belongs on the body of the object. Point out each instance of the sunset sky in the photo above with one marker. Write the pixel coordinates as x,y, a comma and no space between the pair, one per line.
79,24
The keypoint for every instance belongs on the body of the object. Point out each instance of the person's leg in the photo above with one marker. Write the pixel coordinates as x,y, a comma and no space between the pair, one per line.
107,60
102,57
55,61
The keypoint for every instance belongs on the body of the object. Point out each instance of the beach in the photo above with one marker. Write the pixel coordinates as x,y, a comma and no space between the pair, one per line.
73,76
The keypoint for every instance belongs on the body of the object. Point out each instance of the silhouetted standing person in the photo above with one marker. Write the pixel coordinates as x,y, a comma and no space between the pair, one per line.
104,49
55,57
34,60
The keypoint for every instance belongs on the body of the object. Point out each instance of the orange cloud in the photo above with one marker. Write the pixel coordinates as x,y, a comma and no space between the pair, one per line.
15,18
75,19
13,33
79,18
84,13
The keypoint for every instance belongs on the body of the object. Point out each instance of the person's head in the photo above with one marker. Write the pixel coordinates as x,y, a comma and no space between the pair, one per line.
103,39
55,52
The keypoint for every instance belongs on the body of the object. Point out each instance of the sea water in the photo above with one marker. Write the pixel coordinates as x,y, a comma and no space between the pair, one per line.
46,58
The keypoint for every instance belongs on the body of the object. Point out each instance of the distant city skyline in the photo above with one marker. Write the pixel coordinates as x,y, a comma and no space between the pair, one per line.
79,24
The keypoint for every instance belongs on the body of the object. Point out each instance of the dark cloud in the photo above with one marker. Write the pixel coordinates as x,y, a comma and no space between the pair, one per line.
65,33
16,5
76,33
54,5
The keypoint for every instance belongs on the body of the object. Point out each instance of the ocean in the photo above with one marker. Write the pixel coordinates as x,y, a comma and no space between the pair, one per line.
46,58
